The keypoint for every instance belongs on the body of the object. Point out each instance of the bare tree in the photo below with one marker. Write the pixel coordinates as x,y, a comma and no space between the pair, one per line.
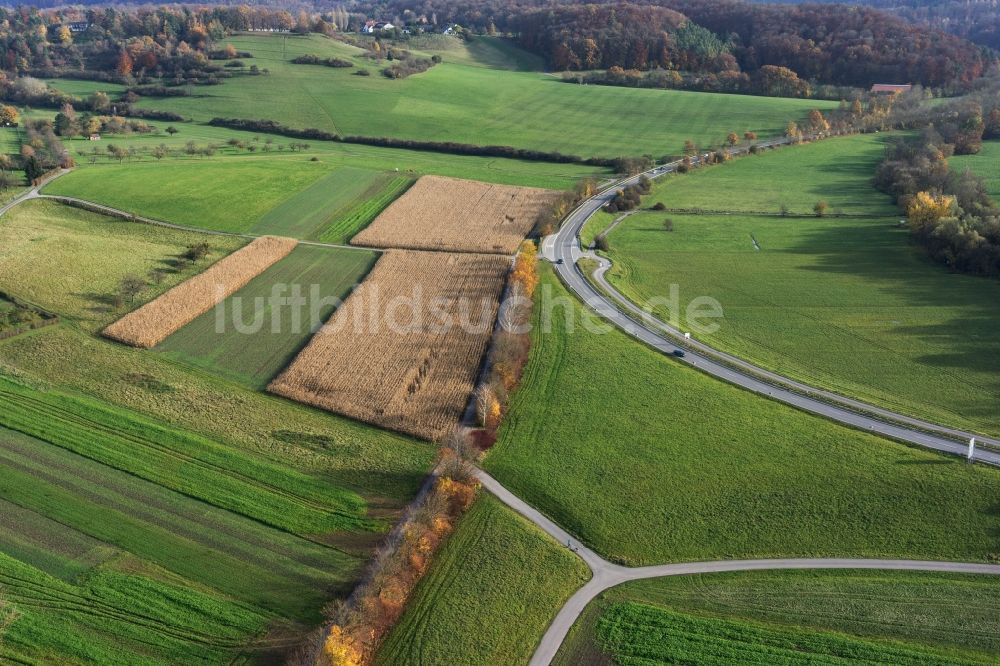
131,286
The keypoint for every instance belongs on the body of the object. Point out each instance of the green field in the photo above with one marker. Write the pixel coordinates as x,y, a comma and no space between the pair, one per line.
489,595
236,193
153,510
648,461
352,220
99,500
986,165
310,212
891,617
845,303
473,104
255,343
71,261
10,140
838,171
383,467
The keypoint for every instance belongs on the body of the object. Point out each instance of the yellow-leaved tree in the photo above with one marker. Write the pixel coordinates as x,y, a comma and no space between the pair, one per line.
526,268
925,210
339,649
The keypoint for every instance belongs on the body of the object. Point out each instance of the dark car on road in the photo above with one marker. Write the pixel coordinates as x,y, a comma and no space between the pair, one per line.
679,353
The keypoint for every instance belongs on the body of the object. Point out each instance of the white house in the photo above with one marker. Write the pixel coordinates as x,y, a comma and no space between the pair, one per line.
371,27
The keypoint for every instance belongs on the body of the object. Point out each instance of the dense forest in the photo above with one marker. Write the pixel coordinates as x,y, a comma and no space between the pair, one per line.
703,44
828,44
976,20
164,42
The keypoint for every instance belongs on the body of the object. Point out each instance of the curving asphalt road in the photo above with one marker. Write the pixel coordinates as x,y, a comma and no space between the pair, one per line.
563,249
606,575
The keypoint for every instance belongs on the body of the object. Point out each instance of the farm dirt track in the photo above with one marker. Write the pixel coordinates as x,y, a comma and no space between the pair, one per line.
385,357
155,321
458,215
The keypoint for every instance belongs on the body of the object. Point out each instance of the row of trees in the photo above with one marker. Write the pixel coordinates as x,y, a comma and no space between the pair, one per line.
510,345
356,628
621,164
42,151
629,197
950,214
769,80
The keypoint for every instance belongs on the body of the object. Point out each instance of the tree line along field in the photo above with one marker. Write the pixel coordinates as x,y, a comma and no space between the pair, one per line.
256,351
672,465
477,105
489,595
845,303
409,367
153,508
448,214
864,616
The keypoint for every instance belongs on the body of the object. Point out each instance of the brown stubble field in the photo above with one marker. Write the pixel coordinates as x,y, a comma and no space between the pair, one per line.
449,214
152,323
379,361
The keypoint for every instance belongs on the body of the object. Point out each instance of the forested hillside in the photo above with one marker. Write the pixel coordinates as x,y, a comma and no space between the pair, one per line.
828,44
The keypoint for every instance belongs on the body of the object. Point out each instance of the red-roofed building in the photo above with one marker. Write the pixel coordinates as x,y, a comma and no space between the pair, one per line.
891,88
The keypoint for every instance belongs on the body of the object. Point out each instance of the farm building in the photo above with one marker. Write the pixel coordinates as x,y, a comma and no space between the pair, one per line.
372,27
891,88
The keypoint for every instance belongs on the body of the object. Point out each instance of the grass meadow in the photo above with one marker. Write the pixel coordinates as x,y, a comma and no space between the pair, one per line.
672,465
467,102
71,261
884,616
250,348
846,303
489,595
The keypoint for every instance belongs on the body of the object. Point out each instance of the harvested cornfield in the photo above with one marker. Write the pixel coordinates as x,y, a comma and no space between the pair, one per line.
154,321
404,349
458,215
